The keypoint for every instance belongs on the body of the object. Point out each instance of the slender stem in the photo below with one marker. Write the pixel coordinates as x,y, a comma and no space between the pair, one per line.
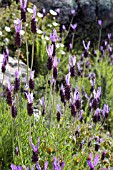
12,121
26,51
18,57
33,50
29,126
73,39
69,27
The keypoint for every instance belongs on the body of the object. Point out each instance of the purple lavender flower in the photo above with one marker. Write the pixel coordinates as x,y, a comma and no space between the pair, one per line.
31,81
23,10
74,26
67,87
63,27
14,167
92,163
13,110
55,68
109,38
56,164
97,94
97,115
54,38
30,103
50,59
45,165
73,12
103,155
17,81
58,112
38,166
35,149
73,109
100,23
62,94
18,27
3,68
80,69
17,150
33,20
72,61
9,93
105,110
86,48
77,99
42,102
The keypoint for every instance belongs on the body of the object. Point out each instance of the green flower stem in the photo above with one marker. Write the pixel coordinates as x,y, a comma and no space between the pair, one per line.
18,53
33,39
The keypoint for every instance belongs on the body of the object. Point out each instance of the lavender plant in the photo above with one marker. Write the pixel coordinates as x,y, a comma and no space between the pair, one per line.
71,127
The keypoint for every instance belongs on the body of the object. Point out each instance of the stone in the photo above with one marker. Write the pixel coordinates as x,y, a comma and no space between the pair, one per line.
11,66
87,10
65,7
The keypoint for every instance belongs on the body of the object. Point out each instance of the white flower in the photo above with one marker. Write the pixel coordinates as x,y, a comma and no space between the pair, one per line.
62,52
39,31
7,29
6,40
49,25
39,15
0,33
30,10
55,24
47,38
22,32
53,12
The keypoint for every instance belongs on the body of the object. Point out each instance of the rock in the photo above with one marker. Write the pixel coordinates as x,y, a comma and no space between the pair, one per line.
87,10
65,7
11,66
105,11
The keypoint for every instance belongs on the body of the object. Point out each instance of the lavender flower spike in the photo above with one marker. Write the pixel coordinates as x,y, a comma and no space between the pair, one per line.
53,36
31,81
17,81
33,21
18,25
35,150
86,46
38,166
67,78
34,11
94,163
74,26
100,23
45,165
23,10
50,50
30,103
14,167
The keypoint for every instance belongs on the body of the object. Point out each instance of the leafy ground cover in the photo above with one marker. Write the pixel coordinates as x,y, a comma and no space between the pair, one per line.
62,119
